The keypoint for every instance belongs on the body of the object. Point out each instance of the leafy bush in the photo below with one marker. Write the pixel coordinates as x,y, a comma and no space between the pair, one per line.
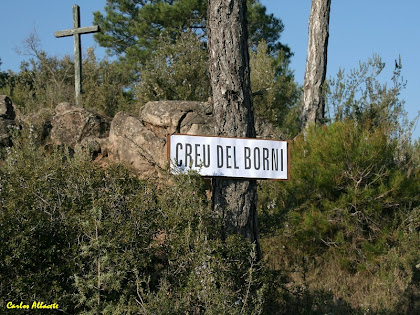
44,81
342,227
100,240
277,94
107,86
175,71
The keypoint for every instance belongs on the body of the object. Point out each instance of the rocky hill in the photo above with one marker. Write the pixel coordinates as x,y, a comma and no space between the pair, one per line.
138,142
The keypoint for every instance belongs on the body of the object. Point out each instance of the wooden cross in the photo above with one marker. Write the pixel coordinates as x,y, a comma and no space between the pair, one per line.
76,31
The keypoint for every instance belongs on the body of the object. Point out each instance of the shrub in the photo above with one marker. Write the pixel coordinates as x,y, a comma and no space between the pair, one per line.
340,216
175,71
277,94
100,240
45,81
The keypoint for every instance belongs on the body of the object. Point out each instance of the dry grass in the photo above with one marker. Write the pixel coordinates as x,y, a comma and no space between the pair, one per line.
322,285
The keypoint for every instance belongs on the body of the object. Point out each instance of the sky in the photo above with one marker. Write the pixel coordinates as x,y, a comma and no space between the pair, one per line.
358,30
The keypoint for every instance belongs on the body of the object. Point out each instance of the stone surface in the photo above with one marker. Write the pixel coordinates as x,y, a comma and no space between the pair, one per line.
5,138
194,118
140,142
71,125
137,142
62,108
131,143
91,146
7,120
166,117
6,108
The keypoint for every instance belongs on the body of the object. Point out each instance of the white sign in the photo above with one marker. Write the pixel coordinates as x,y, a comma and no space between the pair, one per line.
230,157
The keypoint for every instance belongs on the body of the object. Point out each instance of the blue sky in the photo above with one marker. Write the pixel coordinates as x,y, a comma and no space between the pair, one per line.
358,29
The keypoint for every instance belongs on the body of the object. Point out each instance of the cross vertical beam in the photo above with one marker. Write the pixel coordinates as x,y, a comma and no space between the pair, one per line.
77,55
76,31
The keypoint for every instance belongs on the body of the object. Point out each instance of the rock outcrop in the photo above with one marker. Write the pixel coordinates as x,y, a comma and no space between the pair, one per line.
7,120
138,142
71,125
167,117
131,143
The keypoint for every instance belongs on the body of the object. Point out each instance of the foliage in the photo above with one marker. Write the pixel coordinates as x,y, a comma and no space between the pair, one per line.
343,226
344,215
132,29
99,240
175,71
3,77
361,96
276,92
41,83
107,86
44,81
35,250
265,27
179,71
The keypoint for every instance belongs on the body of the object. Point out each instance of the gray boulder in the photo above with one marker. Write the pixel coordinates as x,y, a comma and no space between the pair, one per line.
70,125
137,142
7,120
91,146
167,117
131,143
140,142
5,137
6,108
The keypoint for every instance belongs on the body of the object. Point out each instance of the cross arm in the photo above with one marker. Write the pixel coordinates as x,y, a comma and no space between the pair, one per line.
79,30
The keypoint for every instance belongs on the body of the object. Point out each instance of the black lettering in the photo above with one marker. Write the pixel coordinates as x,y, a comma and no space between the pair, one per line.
188,151
281,152
257,158
219,156
265,159
275,159
234,159
197,155
228,156
177,160
247,158
206,163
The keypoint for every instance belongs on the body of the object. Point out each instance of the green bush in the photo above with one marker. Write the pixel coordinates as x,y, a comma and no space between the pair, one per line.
43,82
107,86
175,71
277,94
343,214
100,240
340,235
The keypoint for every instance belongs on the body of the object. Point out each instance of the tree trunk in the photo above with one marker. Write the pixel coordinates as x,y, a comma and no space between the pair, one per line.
234,201
313,109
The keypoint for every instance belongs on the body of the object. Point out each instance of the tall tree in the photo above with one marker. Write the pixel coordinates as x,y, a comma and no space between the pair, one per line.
313,108
234,201
133,29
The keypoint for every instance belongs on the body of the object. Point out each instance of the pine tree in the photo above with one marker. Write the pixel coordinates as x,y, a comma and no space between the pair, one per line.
133,29
234,201
316,63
